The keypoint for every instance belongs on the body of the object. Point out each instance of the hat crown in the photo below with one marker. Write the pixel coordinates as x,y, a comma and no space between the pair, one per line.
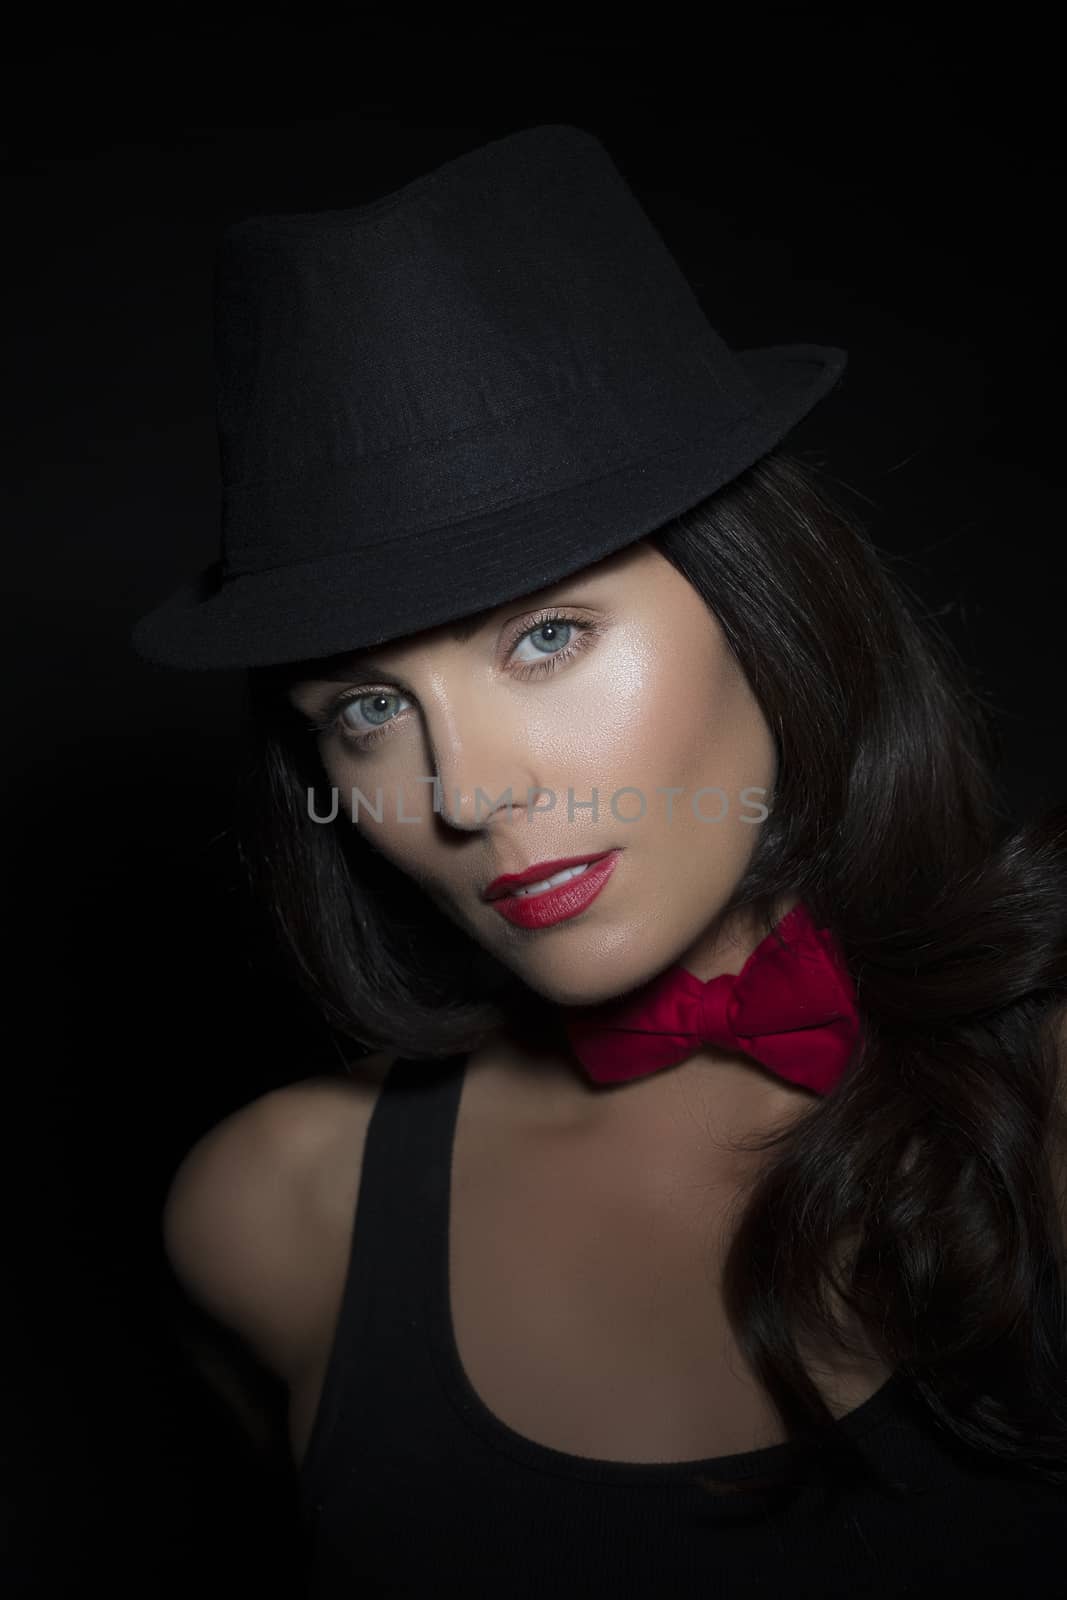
524,274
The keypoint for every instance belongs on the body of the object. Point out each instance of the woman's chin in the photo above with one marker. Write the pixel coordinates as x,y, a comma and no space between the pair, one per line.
563,989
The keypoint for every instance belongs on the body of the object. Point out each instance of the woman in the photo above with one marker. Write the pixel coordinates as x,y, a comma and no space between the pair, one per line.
695,1216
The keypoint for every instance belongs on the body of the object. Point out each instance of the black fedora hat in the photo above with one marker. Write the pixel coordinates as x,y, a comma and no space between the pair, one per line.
454,395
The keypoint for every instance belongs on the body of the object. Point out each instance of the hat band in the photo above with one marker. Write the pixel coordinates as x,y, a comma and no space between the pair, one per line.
398,493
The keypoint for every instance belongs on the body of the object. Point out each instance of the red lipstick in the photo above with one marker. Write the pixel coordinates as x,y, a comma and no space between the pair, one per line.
553,905
540,869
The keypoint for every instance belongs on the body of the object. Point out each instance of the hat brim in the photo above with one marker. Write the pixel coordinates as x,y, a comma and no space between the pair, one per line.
345,602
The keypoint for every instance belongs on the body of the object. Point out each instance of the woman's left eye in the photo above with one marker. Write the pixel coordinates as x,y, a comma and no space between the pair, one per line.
554,634
551,640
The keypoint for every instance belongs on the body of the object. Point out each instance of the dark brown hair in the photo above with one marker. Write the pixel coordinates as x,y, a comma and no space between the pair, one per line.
937,1158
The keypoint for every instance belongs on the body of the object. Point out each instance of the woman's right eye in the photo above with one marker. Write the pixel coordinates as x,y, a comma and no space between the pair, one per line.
334,720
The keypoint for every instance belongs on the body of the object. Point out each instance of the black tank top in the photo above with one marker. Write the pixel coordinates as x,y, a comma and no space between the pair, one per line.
411,1486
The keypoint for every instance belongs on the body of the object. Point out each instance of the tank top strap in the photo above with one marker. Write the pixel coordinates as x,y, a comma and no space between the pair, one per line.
381,1334
407,1161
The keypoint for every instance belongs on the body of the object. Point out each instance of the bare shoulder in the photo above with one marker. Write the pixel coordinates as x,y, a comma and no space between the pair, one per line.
258,1213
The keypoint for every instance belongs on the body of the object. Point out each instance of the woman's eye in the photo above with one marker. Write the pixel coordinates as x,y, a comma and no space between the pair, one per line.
545,639
376,710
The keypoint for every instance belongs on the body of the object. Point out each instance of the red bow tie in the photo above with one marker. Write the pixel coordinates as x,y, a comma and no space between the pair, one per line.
792,1007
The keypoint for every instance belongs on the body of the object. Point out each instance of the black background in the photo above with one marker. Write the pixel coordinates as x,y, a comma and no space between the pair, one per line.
882,184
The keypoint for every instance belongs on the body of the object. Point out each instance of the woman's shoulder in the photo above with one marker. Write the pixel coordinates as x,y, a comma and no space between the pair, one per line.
305,1116
280,1138
255,1208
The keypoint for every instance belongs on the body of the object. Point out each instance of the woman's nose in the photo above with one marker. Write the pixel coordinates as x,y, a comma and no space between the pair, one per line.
468,801
480,769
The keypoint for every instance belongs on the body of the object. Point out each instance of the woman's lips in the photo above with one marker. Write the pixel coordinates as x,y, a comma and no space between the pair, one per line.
557,905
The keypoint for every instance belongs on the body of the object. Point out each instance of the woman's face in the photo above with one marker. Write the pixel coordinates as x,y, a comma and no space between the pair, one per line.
630,692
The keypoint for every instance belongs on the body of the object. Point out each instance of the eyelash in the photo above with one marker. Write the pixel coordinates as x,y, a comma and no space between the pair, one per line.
331,717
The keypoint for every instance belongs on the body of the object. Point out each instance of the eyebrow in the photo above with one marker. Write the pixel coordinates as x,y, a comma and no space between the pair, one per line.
464,631
357,665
